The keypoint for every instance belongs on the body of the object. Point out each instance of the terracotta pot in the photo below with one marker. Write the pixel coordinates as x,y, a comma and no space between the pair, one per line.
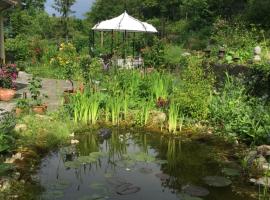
7,94
39,109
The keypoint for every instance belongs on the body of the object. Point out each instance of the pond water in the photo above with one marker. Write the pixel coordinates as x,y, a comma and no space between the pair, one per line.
140,166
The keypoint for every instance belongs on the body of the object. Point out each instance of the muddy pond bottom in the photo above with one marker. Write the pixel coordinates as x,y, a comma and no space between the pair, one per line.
132,165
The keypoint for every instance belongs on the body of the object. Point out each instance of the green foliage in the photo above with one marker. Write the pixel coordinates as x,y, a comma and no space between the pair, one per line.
236,114
193,90
35,86
172,56
154,55
85,107
45,132
173,117
7,123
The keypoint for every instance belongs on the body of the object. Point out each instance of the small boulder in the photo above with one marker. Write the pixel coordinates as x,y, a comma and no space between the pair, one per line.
157,118
20,128
74,141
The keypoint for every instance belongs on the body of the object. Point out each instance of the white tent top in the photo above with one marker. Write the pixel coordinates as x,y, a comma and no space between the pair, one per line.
124,22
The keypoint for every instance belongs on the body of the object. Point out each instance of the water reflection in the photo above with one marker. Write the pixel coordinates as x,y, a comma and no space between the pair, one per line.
134,165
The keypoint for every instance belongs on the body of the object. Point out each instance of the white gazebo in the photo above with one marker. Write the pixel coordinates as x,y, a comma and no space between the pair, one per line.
125,24
4,5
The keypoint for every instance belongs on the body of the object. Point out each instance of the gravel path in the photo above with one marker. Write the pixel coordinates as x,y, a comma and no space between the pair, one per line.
51,87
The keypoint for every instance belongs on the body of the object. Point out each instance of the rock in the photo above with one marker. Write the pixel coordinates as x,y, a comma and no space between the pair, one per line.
105,133
257,58
20,128
260,162
157,118
264,181
257,50
17,156
74,141
186,54
163,177
4,184
263,149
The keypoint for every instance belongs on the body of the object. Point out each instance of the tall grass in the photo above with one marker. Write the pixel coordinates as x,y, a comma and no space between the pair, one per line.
115,108
145,112
86,107
173,117
160,86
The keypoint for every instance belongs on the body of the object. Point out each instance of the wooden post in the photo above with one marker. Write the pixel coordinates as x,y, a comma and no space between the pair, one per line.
2,45
101,39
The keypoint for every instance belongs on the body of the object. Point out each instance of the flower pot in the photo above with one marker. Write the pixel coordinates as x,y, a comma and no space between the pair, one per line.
39,109
7,94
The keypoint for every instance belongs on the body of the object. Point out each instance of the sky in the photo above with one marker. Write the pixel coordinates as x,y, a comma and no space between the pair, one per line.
80,7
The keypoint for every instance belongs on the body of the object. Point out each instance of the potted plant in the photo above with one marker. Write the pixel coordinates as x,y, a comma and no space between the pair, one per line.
37,104
8,75
22,105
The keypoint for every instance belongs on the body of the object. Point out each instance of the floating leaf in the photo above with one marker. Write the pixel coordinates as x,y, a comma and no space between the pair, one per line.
86,159
54,194
144,170
73,164
230,172
108,175
195,191
140,157
217,181
127,188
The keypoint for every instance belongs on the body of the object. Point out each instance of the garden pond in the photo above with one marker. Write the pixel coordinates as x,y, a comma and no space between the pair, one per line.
142,165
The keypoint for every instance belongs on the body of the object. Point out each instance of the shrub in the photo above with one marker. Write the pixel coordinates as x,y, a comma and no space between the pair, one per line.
236,114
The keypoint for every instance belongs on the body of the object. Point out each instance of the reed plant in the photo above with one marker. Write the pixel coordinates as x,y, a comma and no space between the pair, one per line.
115,108
86,107
173,117
160,86
145,112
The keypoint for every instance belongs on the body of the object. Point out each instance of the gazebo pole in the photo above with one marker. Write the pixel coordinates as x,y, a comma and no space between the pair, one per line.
112,43
101,38
2,45
133,53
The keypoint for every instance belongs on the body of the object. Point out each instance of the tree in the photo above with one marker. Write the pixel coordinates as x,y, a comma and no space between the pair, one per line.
64,8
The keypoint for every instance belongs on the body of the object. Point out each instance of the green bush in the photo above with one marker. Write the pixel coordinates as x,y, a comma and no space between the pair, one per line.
236,114
7,123
193,90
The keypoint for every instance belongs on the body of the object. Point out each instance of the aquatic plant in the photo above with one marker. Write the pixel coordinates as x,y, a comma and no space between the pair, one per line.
115,107
86,107
160,86
145,112
173,117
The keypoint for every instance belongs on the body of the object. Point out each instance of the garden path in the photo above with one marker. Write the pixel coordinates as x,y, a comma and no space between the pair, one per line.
51,87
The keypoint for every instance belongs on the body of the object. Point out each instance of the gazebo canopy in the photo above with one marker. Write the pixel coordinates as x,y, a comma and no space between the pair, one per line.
124,22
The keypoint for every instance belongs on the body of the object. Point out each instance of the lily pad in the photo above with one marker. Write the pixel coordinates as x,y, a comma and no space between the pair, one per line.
183,196
127,188
195,191
231,172
54,194
73,164
217,181
145,170
86,159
